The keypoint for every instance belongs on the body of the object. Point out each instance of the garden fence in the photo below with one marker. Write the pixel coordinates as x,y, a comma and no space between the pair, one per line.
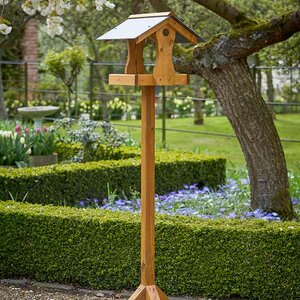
28,83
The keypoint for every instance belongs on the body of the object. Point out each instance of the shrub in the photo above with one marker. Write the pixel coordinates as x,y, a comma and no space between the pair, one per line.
68,183
93,137
100,249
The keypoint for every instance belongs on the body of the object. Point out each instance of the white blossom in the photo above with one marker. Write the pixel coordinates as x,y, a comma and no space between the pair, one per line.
4,2
4,29
109,4
54,26
53,10
28,8
80,8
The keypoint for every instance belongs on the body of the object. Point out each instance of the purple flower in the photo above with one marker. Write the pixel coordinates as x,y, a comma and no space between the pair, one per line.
82,203
232,215
245,181
295,201
120,202
249,214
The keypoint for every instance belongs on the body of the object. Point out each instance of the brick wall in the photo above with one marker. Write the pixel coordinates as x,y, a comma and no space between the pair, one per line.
30,54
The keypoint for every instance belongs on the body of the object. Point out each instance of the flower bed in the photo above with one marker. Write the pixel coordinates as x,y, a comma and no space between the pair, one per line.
17,146
231,200
100,249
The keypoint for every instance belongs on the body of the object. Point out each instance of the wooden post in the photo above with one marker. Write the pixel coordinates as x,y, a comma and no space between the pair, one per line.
148,185
148,290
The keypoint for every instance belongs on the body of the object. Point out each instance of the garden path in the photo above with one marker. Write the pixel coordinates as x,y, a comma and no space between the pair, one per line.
11,289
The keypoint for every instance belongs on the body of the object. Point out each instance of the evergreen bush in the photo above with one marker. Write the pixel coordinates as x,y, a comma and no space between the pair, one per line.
101,249
68,183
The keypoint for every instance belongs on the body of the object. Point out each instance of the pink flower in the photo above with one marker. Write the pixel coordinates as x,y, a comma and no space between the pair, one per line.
38,130
45,129
18,129
26,130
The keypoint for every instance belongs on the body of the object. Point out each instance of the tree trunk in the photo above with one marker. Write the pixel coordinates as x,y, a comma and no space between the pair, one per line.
258,72
69,100
270,92
198,115
3,113
246,110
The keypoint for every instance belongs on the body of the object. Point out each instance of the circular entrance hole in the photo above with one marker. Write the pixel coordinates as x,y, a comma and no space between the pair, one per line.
166,32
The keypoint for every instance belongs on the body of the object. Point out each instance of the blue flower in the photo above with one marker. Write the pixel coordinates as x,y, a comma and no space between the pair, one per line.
232,215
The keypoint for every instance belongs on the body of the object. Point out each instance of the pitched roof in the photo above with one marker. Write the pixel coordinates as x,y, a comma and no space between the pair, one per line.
145,24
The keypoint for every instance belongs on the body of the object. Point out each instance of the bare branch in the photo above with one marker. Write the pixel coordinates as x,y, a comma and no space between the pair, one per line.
225,10
137,6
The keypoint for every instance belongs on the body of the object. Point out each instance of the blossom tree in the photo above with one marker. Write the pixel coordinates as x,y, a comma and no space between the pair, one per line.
53,10
12,22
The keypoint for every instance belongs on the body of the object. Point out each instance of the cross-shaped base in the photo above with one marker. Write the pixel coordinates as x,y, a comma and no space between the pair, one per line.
149,292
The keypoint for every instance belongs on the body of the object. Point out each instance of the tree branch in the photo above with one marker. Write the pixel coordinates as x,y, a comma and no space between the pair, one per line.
243,42
225,10
159,5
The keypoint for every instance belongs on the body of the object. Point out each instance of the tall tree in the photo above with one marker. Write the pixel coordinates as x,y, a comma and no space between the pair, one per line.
222,62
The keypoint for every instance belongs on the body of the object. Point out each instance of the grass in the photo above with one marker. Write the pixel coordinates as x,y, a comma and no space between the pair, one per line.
288,127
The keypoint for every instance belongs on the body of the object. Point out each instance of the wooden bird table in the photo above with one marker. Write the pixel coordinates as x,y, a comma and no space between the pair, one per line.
163,29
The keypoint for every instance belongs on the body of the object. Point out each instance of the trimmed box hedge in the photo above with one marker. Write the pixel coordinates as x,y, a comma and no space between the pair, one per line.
66,184
100,249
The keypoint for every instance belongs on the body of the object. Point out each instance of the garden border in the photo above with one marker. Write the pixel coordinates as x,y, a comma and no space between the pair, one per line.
100,249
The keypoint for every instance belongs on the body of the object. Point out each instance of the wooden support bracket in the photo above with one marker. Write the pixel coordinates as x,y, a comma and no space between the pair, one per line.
145,79
148,292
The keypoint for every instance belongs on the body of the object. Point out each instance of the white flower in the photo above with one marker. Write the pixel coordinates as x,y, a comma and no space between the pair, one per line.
28,9
109,4
80,8
54,26
45,11
22,140
3,2
4,29
28,151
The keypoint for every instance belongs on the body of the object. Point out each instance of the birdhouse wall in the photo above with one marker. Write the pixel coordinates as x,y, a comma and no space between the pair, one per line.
164,71
135,60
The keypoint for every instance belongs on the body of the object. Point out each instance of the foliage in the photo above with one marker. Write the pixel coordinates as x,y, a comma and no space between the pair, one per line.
220,258
12,102
92,140
118,108
66,65
49,93
183,106
69,183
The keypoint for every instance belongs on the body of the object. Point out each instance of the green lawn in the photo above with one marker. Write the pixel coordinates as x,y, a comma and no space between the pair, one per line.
288,127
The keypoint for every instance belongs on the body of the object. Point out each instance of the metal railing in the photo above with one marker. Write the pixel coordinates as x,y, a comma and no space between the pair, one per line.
281,92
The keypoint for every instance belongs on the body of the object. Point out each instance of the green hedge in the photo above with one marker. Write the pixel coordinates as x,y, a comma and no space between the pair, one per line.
66,151
66,184
100,249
